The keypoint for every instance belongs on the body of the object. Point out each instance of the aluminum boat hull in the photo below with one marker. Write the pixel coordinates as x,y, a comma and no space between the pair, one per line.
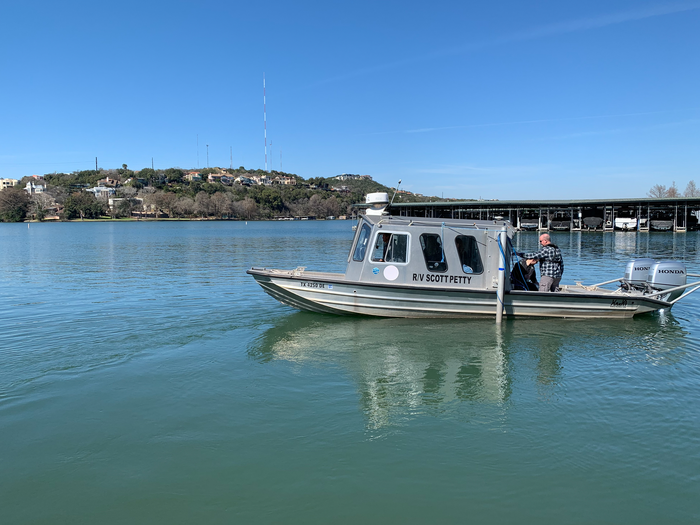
332,293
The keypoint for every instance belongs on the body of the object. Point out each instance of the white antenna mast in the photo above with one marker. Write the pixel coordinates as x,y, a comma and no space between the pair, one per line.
395,192
265,120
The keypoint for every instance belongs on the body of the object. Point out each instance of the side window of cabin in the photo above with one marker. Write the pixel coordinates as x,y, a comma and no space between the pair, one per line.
362,242
469,256
433,252
390,247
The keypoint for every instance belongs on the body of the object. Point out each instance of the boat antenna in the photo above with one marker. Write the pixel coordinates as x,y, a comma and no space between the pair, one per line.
395,192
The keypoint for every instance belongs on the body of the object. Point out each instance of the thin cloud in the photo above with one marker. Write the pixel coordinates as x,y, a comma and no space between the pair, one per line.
467,170
586,24
559,28
534,121
663,125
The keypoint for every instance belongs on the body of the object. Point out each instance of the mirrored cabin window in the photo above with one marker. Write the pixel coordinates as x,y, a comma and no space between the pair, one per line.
390,247
362,243
469,256
433,252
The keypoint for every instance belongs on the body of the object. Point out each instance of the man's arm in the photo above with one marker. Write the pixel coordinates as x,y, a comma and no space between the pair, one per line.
535,255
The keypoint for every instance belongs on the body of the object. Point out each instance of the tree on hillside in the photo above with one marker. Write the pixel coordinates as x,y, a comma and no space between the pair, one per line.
125,172
184,207
657,191
316,206
174,174
82,205
14,204
126,206
247,208
165,201
271,199
673,191
202,204
40,203
691,190
220,204
332,206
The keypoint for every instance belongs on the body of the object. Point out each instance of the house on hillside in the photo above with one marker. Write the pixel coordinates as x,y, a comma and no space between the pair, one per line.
108,182
33,189
101,191
350,176
246,181
283,179
262,180
7,183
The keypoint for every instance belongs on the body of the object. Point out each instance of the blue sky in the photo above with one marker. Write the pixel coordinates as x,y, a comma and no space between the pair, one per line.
505,100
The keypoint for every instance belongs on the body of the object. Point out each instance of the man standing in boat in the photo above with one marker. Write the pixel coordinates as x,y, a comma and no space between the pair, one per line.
551,263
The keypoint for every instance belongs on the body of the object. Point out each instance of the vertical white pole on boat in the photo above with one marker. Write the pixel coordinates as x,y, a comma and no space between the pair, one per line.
502,240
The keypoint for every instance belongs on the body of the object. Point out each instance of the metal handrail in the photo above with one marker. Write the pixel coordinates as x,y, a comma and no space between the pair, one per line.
675,289
606,282
686,293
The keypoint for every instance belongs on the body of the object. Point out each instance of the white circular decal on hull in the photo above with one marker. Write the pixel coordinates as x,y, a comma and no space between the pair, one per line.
391,273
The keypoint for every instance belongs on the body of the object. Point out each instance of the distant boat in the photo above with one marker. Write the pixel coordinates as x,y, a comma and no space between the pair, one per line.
626,223
661,225
529,224
592,223
560,225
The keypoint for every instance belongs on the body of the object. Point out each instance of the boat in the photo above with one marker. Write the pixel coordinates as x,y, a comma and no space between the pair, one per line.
560,222
661,225
402,266
661,221
529,223
626,223
593,223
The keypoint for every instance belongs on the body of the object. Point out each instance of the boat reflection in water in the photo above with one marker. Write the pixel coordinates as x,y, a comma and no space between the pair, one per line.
406,368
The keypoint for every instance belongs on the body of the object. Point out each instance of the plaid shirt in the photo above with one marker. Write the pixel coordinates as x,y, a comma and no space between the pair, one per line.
551,262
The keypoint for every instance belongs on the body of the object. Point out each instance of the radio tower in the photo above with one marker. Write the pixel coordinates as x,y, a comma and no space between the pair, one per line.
265,121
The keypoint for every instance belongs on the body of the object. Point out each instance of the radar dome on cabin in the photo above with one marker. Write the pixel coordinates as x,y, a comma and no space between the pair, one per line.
377,203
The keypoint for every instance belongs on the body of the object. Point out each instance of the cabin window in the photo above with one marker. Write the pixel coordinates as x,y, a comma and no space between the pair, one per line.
390,247
468,251
431,243
362,242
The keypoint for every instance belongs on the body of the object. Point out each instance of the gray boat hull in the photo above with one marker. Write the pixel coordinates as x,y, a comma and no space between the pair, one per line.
332,293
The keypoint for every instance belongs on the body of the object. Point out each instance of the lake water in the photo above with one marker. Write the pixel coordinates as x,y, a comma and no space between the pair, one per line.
145,378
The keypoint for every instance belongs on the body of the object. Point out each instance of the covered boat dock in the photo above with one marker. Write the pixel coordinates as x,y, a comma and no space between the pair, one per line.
647,214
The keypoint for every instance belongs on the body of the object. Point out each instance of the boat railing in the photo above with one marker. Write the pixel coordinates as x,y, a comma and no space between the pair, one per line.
696,284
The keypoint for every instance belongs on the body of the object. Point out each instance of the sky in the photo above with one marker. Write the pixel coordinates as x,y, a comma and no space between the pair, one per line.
493,100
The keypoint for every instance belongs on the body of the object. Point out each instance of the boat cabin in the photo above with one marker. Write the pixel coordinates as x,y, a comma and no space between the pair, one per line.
428,252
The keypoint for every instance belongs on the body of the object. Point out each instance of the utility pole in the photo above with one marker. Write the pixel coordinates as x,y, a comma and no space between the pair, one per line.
265,121
207,155
95,164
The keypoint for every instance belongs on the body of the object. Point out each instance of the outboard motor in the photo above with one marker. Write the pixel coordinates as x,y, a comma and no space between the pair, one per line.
636,273
667,274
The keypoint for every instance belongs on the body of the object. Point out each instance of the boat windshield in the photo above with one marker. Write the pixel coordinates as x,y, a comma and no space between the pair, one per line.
362,242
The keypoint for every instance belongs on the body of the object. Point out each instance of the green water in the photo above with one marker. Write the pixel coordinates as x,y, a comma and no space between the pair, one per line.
146,379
